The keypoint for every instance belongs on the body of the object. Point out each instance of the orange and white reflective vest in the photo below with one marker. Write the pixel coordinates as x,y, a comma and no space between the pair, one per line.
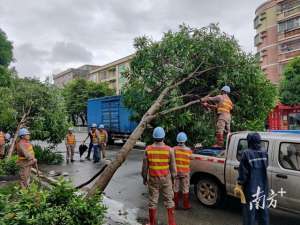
225,106
27,147
158,160
183,158
71,139
2,138
102,136
94,137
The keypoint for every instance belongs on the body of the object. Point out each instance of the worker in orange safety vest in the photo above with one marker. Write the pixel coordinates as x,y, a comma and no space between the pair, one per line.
26,158
224,106
70,142
103,136
2,143
183,156
159,171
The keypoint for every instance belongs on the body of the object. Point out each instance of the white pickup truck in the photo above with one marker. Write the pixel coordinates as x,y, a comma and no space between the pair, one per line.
214,177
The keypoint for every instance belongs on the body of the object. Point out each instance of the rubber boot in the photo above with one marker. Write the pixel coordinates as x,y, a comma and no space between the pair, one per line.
186,201
171,216
219,140
152,216
176,199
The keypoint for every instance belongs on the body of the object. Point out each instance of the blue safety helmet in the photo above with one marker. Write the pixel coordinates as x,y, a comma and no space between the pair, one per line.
94,125
226,89
23,132
101,126
7,136
181,137
159,133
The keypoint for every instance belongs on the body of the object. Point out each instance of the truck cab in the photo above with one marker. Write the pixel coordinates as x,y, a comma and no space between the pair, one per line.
215,177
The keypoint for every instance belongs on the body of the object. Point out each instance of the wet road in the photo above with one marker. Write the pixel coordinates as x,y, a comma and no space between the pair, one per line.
127,187
127,197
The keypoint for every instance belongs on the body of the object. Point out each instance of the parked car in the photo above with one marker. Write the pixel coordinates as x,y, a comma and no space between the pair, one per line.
111,112
214,177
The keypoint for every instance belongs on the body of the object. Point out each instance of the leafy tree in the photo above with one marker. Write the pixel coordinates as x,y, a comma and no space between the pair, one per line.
6,47
61,204
36,105
172,74
158,63
289,86
28,102
77,93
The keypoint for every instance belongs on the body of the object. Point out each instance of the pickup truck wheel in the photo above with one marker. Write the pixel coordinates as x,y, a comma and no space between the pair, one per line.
208,192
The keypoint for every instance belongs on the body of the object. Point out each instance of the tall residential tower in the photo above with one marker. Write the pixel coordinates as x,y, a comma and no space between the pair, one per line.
277,25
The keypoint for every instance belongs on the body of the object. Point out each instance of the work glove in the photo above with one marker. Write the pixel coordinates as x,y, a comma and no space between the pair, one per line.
238,192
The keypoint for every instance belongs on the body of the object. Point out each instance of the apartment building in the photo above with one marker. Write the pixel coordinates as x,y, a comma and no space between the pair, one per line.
277,25
111,73
62,78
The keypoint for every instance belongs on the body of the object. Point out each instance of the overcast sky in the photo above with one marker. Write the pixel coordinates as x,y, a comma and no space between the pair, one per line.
52,35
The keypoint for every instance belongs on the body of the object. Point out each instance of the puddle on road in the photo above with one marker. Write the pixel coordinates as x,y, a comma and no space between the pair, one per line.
118,213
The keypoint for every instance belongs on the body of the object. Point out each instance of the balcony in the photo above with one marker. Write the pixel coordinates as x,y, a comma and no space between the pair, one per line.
289,34
289,55
292,11
287,9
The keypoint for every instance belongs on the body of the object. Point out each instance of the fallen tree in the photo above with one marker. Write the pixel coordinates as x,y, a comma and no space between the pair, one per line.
168,78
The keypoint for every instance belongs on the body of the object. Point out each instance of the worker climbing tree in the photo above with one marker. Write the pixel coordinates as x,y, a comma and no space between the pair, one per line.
223,104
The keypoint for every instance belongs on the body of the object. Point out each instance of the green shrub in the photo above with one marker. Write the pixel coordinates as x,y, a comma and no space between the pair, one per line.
9,166
58,206
47,156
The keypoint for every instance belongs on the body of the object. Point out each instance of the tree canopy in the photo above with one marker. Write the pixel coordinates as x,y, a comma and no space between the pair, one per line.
29,102
76,94
6,47
159,64
290,83
43,105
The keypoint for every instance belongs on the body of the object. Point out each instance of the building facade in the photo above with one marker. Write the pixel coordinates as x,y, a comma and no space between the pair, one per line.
111,73
277,39
62,78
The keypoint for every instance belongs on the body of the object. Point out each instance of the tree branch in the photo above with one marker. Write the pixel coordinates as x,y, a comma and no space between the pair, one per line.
177,108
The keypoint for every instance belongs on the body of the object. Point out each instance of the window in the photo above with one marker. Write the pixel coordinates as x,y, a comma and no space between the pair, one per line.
289,156
289,25
257,39
290,46
243,145
294,121
257,22
288,5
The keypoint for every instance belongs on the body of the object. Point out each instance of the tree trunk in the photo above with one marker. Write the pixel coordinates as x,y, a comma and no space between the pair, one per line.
110,170
13,144
21,123
103,180
82,119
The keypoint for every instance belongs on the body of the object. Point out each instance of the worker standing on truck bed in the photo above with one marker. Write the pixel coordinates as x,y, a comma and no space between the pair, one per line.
253,181
159,170
26,157
182,181
70,145
103,139
224,106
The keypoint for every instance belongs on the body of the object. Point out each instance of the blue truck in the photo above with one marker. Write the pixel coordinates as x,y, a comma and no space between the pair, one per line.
111,112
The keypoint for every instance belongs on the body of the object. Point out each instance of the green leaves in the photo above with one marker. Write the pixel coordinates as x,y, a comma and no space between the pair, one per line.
289,86
159,64
6,54
59,206
77,93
